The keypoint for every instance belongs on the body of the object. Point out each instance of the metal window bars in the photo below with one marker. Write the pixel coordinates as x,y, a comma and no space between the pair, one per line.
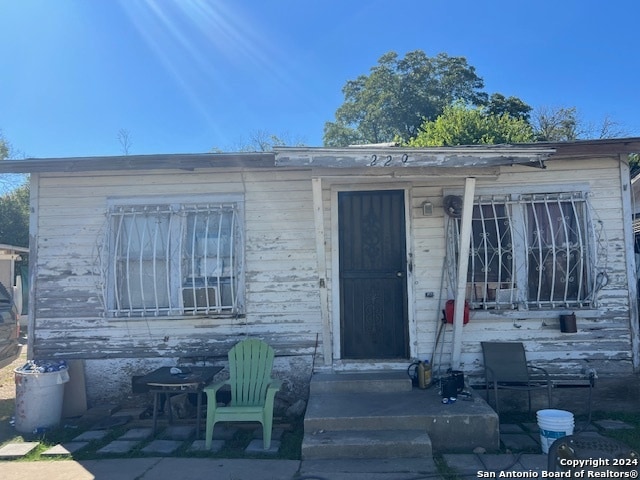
528,251
558,253
175,260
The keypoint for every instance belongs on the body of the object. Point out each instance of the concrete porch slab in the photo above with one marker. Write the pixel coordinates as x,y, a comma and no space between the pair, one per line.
460,426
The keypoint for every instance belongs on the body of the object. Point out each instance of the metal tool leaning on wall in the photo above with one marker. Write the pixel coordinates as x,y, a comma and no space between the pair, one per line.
452,384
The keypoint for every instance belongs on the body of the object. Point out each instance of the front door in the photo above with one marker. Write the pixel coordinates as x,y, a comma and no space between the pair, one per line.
373,271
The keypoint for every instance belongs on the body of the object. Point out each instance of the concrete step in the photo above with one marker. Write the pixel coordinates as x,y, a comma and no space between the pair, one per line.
366,444
454,427
361,382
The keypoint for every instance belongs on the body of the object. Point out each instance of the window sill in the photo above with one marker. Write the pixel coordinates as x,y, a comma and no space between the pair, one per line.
552,313
199,316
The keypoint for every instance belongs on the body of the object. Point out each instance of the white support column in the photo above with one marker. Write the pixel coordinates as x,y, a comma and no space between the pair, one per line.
463,264
34,200
627,222
318,216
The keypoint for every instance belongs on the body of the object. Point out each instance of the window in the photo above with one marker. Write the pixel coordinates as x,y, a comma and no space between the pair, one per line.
175,259
529,251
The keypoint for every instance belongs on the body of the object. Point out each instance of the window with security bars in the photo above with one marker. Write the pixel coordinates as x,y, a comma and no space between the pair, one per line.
183,259
529,251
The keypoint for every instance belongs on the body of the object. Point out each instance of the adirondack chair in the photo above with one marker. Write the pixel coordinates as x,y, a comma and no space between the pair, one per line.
252,390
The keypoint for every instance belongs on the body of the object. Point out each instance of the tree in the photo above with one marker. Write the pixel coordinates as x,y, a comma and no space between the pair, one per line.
514,107
124,138
14,217
4,148
459,125
262,141
399,95
634,164
9,181
556,124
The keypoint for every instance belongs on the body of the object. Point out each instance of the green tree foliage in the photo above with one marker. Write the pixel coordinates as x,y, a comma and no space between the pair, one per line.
5,148
14,217
459,125
514,107
399,94
634,164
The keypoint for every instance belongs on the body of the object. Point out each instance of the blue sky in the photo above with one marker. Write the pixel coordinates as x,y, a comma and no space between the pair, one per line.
186,76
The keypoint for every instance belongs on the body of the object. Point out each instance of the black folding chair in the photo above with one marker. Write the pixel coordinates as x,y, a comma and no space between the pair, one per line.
506,367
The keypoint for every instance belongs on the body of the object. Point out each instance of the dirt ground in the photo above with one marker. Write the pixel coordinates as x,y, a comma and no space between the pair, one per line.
8,396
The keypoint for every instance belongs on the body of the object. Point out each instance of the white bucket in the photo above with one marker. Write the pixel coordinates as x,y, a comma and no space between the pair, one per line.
553,424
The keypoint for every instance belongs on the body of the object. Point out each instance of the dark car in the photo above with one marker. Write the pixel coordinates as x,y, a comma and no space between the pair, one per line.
9,328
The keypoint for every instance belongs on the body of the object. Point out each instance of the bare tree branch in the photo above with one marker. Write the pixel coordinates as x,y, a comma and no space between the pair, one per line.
124,137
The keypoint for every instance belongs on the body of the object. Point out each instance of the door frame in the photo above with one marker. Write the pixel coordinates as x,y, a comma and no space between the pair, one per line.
335,268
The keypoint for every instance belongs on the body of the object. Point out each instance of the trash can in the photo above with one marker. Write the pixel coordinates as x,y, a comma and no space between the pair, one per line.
39,395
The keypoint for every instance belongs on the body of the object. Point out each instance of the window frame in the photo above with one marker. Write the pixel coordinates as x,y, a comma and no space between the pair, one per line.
514,294
179,258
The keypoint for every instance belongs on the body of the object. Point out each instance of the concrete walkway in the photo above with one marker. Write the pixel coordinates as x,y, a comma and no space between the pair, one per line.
242,469
159,462
466,465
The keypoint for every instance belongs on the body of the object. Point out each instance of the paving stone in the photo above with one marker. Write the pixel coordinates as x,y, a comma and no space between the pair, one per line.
518,441
276,433
464,464
137,434
179,432
199,446
65,448
257,447
91,435
20,449
510,428
613,425
535,462
164,447
119,446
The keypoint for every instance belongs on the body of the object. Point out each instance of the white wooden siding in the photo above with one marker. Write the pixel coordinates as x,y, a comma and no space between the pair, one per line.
281,278
281,284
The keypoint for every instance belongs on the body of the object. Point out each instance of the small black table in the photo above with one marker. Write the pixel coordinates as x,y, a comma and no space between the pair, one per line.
190,380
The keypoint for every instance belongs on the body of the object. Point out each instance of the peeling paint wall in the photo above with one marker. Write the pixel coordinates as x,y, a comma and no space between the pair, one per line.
281,280
603,340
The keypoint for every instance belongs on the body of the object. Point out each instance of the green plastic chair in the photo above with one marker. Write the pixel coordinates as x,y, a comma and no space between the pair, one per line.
252,390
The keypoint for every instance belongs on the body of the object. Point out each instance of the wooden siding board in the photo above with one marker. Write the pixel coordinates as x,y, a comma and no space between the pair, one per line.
271,301
281,265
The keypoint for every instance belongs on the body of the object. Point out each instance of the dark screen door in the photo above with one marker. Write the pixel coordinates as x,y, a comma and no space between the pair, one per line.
373,271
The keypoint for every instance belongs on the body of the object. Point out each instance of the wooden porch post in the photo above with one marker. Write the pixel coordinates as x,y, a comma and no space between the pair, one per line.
627,222
463,264
318,217
34,202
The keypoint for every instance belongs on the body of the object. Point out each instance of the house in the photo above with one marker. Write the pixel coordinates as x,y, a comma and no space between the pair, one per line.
12,275
342,259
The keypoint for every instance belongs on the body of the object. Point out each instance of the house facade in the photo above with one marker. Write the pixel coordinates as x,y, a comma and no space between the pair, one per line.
341,259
